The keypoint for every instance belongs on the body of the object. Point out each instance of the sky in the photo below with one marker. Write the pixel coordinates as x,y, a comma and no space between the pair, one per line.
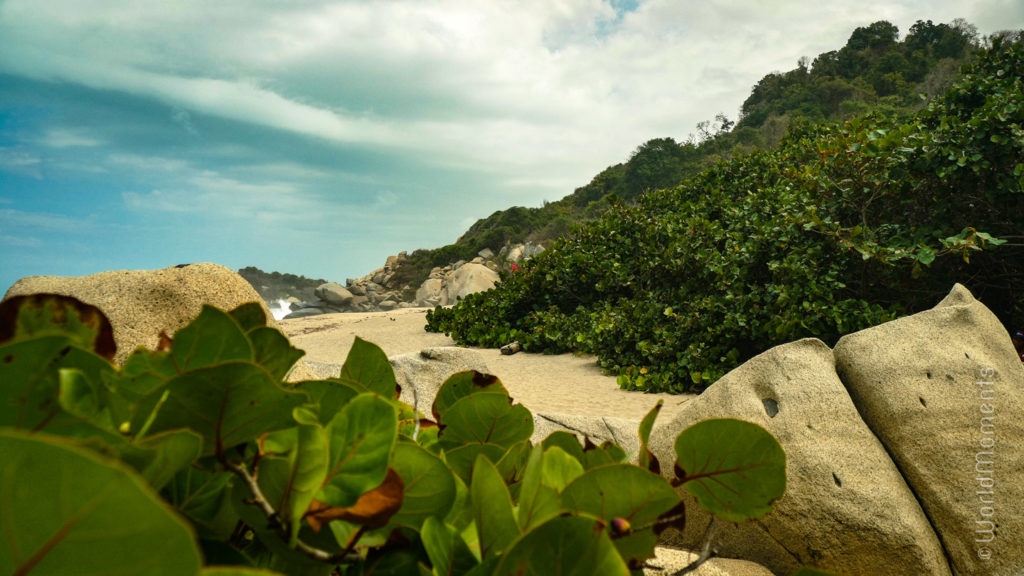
319,137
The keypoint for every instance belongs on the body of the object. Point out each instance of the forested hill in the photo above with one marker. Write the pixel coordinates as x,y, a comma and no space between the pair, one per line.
875,70
842,226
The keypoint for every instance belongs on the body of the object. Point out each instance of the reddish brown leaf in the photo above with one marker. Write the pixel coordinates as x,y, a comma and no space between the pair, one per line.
373,509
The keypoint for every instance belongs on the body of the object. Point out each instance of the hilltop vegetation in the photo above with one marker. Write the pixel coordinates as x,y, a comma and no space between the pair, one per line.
843,225
873,71
275,285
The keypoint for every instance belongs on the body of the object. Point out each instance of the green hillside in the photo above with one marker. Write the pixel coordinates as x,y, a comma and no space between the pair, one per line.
841,226
873,71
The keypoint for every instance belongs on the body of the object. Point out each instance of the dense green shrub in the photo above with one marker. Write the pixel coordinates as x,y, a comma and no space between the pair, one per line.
200,455
839,228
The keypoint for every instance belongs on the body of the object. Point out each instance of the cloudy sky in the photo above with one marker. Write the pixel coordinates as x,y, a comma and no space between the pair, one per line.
318,137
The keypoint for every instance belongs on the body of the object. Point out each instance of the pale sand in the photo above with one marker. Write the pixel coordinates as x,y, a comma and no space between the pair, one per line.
559,384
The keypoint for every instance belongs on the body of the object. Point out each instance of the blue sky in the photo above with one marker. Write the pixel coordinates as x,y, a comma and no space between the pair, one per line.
319,137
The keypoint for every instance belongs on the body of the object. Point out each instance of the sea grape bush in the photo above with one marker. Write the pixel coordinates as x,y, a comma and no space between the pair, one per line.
839,228
199,458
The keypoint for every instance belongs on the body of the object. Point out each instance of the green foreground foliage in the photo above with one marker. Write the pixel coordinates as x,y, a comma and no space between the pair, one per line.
841,227
200,459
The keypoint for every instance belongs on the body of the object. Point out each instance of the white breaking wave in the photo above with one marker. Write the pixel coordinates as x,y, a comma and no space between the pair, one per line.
280,308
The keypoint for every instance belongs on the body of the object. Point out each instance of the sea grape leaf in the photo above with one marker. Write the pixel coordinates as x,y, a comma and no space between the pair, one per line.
227,404
485,417
273,351
449,555
373,509
735,469
461,459
236,571
540,500
143,372
166,454
204,497
213,337
306,472
328,395
512,465
565,545
462,384
623,491
69,511
645,458
249,316
567,441
430,488
41,315
360,439
492,509
368,369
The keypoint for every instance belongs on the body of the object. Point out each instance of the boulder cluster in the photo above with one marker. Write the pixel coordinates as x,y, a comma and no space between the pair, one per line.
386,288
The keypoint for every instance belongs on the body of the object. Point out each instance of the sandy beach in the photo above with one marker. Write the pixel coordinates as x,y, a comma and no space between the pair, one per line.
561,384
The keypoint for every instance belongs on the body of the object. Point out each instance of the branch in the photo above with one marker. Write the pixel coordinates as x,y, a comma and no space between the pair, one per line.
258,499
706,551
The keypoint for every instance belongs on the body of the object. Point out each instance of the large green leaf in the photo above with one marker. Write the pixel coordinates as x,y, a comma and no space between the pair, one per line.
567,441
368,369
492,509
735,469
448,552
68,511
627,492
204,497
158,458
567,546
227,404
211,338
485,418
646,459
249,316
40,315
360,439
299,476
329,396
273,351
29,382
462,384
462,458
429,486
236,571
547,473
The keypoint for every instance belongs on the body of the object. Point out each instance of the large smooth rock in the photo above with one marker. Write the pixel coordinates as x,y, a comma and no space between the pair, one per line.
944,391
143,303
420,375
668,560
334,294
468,279
429,293
846,510
622,431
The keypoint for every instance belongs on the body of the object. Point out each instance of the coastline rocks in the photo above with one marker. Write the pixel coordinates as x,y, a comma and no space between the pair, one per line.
944,391
143,303
846,509
334,294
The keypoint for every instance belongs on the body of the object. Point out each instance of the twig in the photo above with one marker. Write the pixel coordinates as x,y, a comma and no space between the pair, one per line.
348,556
706,550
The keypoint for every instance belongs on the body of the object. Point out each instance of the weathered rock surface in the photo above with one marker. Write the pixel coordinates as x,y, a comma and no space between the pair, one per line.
846,509
143,303
944,391
421,375
334,294
669,560
622,431
468,279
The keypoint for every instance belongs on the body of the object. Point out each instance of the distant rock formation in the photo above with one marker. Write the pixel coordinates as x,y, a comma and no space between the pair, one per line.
383,289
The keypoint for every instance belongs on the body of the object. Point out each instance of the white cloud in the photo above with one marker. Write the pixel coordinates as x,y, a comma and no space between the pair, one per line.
64,138
17,161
